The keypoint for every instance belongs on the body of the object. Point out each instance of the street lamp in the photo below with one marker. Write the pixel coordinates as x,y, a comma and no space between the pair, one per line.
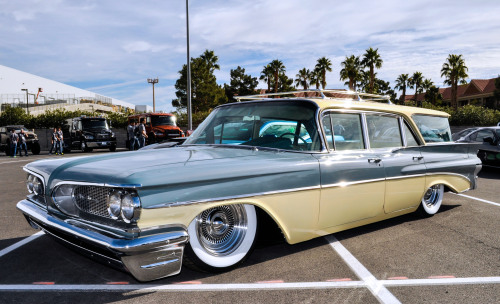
27,111
188,91
153,81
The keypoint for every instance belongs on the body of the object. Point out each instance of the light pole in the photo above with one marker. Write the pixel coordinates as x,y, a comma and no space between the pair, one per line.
188,90
27,111
153,81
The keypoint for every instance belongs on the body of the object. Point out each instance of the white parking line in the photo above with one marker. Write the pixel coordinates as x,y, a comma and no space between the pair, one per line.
450,281
20,243
374,285
479,199
243,286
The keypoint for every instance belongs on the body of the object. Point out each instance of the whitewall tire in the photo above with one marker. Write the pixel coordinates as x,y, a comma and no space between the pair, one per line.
431,202
222,237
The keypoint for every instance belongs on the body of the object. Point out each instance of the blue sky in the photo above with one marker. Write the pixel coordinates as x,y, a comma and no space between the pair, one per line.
112,47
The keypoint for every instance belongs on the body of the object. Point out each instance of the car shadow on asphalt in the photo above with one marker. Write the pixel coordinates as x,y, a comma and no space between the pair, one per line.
61,263
490,173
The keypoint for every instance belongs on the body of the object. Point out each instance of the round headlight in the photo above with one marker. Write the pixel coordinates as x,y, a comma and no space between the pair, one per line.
29,183
63,198
37,186
114,204
127,207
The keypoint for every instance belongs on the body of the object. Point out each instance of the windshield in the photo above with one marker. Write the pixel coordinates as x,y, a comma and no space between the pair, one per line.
288,125
163,121
95,124
433,128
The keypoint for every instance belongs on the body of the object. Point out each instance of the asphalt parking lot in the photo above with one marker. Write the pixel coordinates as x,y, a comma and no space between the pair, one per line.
452,257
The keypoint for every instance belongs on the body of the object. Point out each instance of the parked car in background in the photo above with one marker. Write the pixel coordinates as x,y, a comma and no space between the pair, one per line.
31,139
88,133
250,164
159,126
486,141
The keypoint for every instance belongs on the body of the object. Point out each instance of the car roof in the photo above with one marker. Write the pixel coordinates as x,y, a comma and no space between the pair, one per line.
342,99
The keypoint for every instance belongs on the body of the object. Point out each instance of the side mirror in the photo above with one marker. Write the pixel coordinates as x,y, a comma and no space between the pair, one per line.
489,140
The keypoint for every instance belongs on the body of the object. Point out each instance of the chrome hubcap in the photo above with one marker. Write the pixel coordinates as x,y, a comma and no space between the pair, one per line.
432,196
222,229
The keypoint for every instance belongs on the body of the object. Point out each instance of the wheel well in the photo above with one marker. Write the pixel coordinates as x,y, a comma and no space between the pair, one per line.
268,230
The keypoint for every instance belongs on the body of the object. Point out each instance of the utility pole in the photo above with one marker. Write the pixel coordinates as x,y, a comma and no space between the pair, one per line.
27,110
153,81
188,91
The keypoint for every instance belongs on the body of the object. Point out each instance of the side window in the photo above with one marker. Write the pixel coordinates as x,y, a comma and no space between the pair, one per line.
433,128
347,131
327,126
411,141
148,121
383,131
482,134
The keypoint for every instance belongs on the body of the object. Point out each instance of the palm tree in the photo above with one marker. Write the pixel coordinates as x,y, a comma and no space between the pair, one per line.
278,68
416,81
211,60
303,78
267,75
372,60
323,64
401,84
455,71
351,71
427,84
315,78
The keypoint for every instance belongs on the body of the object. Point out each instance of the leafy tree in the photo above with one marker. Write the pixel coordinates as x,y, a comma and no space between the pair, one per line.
351,71
323,64
267,75
206,93
303,78
496,93
278,68
372,60
14,116
211,60
241,84
285,84
454,71
433,96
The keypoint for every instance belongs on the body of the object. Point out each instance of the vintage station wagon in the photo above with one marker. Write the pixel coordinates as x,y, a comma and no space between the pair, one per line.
313,165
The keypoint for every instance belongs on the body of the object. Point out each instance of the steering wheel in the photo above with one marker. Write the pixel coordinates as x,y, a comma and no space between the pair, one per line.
294,136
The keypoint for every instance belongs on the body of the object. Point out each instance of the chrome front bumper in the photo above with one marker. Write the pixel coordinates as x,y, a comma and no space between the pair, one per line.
100,144
146,258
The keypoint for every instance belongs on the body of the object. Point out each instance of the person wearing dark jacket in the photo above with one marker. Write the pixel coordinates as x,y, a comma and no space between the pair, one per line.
14,138
22,143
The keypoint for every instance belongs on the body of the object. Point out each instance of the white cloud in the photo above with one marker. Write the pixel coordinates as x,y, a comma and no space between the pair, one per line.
113,47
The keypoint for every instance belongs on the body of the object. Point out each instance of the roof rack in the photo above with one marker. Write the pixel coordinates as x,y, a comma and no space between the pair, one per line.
323,94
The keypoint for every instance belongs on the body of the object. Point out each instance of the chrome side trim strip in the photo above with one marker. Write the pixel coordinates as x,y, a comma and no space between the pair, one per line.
133,186
211,200
341,184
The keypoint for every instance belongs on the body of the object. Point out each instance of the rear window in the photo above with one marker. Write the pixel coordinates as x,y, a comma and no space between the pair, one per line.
433,128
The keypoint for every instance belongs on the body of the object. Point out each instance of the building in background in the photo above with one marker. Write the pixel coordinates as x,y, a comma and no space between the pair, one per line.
476,92
44,94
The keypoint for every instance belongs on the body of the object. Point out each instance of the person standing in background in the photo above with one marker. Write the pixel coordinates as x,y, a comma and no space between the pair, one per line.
22,143
13,142
142,133
53,142
131,135
61,140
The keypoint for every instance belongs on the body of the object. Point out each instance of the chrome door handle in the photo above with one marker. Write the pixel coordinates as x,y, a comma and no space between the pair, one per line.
418,157
374,160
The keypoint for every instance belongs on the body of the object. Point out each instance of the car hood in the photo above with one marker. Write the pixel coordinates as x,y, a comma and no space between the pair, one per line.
188,172
164,128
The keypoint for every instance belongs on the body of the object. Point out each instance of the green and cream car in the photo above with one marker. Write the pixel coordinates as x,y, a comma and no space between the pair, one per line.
312,165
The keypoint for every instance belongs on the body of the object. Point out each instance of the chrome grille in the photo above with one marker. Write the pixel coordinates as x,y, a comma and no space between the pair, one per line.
92,199
102,136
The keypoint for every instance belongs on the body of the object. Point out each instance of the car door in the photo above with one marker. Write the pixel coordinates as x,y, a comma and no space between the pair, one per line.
391,138
352,176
